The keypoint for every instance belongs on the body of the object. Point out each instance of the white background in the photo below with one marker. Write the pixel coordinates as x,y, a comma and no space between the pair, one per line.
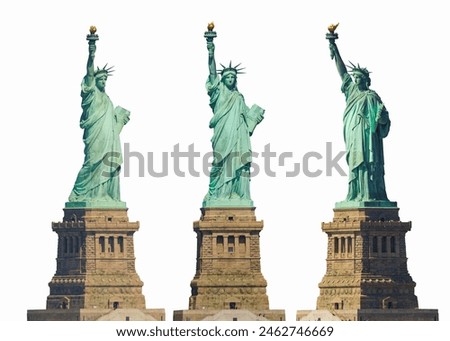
160,57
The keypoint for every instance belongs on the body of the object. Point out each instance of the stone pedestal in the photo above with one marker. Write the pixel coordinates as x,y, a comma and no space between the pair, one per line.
95,269
367,276
228,272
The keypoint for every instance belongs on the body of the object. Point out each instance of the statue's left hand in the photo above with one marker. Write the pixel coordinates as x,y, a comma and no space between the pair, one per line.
381,117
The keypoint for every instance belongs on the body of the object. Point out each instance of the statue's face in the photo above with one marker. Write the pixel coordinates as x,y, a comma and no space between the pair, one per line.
230,81
100,82
360,81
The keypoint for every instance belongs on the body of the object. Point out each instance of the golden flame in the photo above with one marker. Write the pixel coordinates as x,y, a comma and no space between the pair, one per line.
92,29
332,28
211,26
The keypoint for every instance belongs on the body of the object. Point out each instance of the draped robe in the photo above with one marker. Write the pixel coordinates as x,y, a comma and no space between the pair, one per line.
98,179
233,122
366,123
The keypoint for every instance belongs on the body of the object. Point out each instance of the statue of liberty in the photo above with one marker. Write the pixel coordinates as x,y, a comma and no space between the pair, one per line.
97,182
233,123
366,124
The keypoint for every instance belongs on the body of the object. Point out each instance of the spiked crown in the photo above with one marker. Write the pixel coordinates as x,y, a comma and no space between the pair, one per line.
231,69
105,70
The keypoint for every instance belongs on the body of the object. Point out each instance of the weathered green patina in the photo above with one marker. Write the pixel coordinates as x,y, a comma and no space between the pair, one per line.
233,123
97,183
366,124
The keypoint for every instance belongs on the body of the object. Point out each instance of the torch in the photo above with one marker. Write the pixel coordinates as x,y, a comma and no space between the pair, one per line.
92,37
331,36
210,34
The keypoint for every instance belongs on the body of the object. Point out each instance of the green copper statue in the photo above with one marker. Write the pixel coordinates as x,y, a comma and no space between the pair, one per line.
233,123
97,183
366,123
